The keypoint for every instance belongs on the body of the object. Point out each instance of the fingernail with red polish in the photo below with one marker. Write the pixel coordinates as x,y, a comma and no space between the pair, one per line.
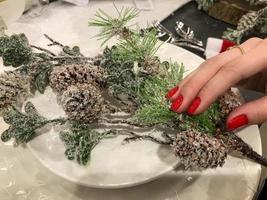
171,92
177,103
192,108
237,122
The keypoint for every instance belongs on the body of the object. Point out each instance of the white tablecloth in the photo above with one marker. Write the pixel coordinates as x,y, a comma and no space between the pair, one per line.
23,177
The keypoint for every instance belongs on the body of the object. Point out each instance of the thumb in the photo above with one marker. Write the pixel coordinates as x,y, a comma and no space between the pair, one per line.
253,112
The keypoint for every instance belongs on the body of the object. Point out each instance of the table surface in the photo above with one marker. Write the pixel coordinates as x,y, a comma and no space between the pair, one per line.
23,177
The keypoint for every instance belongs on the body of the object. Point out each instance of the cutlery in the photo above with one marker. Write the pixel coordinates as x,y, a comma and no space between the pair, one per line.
171,38
186,32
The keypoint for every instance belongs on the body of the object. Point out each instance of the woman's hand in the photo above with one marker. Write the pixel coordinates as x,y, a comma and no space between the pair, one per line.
198,90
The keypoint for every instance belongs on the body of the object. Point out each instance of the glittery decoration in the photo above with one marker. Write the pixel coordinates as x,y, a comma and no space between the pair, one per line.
83,102
80,140
64,76
199,151
228,102
14,89
23,126
152,66
15,50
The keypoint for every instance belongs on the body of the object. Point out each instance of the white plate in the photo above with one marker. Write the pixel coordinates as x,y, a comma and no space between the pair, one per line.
112,164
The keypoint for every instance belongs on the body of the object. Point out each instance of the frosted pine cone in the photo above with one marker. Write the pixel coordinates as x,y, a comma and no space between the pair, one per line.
199,151
152,67
83,102
64,76
14,89
228,102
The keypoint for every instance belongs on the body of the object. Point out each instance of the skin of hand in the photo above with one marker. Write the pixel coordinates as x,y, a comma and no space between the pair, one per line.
196,92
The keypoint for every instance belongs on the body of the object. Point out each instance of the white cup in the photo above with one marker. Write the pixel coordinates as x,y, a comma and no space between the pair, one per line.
11,10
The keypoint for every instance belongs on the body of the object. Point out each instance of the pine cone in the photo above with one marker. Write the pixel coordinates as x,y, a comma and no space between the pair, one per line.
83,102
152,66
64,76
14,89
228,102
198,151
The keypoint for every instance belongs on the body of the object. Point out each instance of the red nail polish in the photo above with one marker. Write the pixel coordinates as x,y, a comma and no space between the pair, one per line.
237,122
171,92
177,103
192,108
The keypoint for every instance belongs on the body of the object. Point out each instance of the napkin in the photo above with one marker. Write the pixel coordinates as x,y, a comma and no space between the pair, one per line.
216,46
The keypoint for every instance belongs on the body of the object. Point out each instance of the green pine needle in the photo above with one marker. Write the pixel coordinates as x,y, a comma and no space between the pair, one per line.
137,48
80,140
154,90
205,122
155,114
155,108
110,26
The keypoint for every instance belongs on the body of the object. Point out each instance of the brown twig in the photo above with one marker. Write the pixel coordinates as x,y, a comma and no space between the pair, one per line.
53,42
136,137
44,50
73,58
236,144
123,121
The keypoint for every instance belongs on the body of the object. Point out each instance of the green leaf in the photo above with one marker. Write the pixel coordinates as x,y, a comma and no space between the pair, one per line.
32,111
80,140
6,135
74,51
23,126
41,77
4,42
16,51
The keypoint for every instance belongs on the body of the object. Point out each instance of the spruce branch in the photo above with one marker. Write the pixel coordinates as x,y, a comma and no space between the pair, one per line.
53,42
139,48
205,4
204,123
257,2
253,20
17,52
123,121
23,126
154,107
110,26
81,139
44,50
136,137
